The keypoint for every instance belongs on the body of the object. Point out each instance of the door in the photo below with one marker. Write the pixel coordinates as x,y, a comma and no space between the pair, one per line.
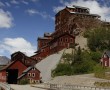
12,75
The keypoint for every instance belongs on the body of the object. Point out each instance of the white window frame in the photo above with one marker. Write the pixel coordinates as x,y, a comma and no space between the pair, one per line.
66,40
29,74
33,75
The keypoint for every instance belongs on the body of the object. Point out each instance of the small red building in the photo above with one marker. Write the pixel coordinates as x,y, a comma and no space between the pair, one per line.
32,74
105,60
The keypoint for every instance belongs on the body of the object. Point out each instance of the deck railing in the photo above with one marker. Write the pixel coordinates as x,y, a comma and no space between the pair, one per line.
72,87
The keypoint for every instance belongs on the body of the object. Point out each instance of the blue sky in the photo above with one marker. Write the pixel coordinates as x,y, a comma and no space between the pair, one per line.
22,21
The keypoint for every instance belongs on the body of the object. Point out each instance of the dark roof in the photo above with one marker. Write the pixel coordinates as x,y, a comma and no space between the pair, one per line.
108,53
80,7
17,53
74,6
23,55
85,14
45,38
47,34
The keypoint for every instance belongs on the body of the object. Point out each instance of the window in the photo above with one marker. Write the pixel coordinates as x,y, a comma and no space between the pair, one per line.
29,74
33,74
43,50
66,39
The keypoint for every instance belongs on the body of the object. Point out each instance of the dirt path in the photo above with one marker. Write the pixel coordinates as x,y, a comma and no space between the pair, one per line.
24,87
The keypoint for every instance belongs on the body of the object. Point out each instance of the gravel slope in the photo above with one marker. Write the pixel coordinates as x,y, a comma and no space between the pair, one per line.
47,65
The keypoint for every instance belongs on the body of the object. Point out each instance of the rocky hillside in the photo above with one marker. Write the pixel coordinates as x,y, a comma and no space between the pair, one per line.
4,60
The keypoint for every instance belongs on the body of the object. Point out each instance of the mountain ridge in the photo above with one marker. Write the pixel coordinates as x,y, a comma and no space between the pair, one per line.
4,60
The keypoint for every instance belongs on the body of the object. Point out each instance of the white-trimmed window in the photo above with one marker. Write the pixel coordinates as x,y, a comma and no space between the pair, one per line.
33,74
66,39
29,74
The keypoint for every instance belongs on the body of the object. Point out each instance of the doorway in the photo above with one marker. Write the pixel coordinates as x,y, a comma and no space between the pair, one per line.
12,75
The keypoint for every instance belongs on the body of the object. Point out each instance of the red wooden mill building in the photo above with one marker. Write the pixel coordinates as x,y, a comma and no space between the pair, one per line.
69,22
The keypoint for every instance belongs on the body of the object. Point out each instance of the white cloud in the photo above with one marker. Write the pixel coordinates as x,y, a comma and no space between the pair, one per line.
42,14
95,7
25,2
5,19
14,2
12,45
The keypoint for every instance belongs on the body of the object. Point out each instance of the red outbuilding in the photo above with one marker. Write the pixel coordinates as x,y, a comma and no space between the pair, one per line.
32,74
105,60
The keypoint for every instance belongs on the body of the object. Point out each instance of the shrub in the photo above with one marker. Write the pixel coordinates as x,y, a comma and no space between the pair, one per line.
24,81
99,71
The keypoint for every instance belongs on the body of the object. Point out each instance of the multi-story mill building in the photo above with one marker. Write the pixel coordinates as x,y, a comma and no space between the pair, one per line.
69,22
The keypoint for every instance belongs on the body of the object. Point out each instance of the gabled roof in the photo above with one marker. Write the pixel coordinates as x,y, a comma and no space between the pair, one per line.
18,52
108,53
11,63
24,56
47,34
88,14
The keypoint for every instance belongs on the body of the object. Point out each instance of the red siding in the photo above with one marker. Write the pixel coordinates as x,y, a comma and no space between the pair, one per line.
37,74
62,42
3,76
18,65
42,42
32,79
106,62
